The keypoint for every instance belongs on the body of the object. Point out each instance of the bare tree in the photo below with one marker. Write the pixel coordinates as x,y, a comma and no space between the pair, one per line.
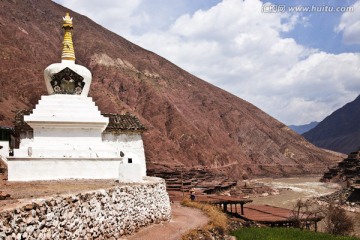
337,221
306,213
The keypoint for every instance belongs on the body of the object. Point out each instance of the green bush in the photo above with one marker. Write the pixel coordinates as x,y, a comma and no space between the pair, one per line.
283,234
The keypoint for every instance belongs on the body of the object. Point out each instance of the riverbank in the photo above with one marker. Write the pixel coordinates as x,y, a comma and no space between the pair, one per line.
287,191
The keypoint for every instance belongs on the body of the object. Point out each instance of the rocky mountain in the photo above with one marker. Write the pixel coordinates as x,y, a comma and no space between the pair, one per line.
340,131
190,122
347,174
300,129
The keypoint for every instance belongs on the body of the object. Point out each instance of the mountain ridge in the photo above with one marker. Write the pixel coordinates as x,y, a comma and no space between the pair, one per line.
340,130
300,129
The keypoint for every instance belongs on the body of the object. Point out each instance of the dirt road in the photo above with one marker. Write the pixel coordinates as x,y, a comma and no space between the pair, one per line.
183,219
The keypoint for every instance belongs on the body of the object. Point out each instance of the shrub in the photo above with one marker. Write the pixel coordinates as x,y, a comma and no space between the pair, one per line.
217,225
337,221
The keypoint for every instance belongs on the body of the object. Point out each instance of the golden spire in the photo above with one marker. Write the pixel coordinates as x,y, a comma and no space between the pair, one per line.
68,52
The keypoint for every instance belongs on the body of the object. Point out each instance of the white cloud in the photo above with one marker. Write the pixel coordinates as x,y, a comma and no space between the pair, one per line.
320,84
350,25
240,49
237,47
118,16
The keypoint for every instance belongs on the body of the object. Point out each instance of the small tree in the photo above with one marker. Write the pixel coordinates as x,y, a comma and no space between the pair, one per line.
305,212
337,221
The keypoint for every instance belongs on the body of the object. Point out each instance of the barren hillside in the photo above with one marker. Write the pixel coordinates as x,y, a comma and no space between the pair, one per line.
190,122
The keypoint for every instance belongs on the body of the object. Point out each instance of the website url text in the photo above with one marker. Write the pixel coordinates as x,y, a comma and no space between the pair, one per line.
276,8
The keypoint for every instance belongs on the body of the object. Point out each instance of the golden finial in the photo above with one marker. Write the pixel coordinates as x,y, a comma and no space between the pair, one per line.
68,52
67,21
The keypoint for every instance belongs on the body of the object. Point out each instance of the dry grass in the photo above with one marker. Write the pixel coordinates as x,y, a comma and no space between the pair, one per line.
218,223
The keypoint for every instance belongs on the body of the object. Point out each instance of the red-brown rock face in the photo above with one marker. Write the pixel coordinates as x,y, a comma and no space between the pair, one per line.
189,121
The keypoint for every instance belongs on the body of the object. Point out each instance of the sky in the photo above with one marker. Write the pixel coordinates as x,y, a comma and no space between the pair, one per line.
297,60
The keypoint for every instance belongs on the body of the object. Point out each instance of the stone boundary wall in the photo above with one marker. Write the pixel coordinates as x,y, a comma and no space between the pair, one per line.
102,214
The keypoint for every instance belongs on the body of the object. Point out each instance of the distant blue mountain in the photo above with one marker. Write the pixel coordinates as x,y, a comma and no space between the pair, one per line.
340,131
300,129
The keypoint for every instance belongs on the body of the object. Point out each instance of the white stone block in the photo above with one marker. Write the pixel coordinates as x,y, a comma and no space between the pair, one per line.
131,145
130,172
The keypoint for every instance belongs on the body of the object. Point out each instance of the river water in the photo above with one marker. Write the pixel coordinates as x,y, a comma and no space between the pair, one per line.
293,189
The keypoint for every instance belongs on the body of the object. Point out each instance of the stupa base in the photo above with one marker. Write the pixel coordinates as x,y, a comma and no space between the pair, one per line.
34,169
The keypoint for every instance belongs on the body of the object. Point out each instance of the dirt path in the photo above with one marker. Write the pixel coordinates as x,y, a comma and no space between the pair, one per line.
20,191
183,219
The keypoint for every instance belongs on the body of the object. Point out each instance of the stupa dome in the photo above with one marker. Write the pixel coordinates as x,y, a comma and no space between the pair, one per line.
67,77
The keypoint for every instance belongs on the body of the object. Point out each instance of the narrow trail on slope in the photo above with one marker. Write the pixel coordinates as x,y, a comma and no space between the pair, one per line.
183,219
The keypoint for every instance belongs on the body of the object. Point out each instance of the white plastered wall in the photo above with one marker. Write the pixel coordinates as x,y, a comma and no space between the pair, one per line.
131,144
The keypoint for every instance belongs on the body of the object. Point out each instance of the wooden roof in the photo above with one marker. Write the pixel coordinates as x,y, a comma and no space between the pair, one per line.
215,199
271,214
117,122
123,122
19,124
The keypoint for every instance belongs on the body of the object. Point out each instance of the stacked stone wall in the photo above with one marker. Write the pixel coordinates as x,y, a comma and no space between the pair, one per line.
102,214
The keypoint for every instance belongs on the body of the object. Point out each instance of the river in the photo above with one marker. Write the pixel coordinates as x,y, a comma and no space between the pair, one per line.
292,189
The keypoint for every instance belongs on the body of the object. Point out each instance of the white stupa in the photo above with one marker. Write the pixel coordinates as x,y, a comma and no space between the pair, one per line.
67,140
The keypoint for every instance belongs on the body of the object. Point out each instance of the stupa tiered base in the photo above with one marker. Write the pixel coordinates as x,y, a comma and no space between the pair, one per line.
67,144
66,126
